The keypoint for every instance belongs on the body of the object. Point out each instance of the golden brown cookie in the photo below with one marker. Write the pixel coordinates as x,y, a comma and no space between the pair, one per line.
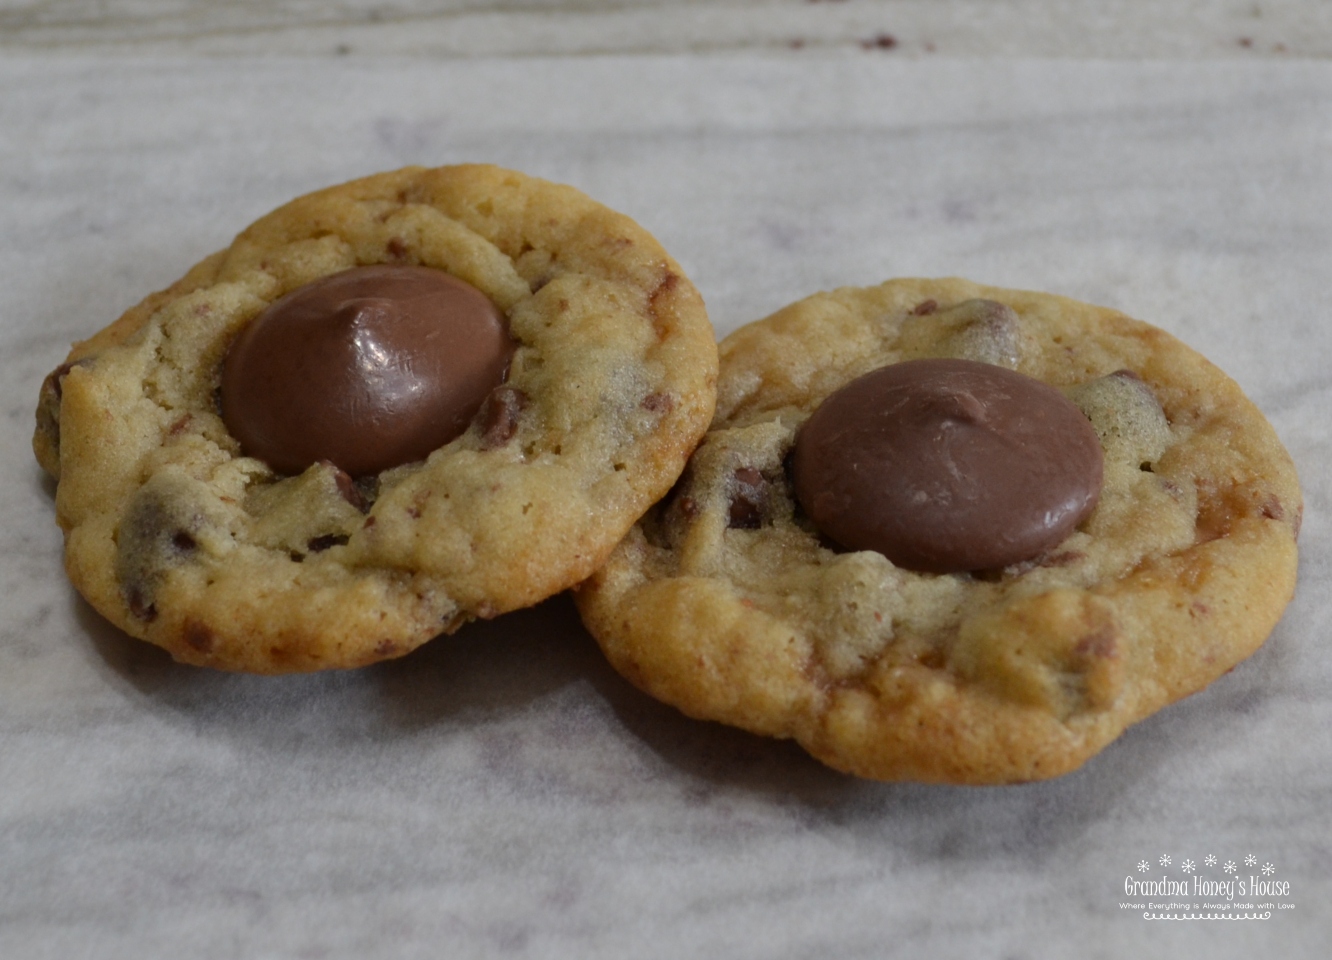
728,602
179,538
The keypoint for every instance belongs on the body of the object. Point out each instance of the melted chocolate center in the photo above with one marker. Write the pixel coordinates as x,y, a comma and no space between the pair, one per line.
948,465
369,369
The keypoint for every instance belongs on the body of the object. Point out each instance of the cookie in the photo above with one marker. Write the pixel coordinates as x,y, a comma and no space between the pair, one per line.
272,517
1050,584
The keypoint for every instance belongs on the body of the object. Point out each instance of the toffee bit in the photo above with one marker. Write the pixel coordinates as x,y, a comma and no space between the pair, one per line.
664,290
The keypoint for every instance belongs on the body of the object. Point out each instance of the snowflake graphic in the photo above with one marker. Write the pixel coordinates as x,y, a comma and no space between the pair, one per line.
1143,866
1250,860
1230,866
1210,860
1165,859
1268,869
1187,866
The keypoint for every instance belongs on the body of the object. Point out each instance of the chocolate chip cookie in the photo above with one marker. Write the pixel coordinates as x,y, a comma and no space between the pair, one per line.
952,533
387,408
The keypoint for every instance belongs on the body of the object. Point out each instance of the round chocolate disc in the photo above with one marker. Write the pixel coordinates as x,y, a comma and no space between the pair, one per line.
369,369
948,465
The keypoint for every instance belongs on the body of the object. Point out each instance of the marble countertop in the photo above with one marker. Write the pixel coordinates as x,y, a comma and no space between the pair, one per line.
502,792
1115,29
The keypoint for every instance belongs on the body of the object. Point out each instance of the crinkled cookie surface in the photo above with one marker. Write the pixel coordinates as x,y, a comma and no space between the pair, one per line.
177,538
726,602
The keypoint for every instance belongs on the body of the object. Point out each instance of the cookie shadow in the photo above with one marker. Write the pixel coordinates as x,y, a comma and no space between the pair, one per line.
486,669
156,681
45,483
497,669
1033,822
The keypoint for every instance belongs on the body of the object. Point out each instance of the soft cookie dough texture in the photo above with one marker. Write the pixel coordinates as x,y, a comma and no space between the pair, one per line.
178,539
725,602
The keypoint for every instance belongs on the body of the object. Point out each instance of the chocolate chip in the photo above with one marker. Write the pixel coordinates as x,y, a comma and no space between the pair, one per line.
139,606
1098,644
54,381
319,544
158,533
367,488
749,499
948,466
499,416
198,636
925,308
749,477
932,659
48,414
371,368
658,403
349,488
